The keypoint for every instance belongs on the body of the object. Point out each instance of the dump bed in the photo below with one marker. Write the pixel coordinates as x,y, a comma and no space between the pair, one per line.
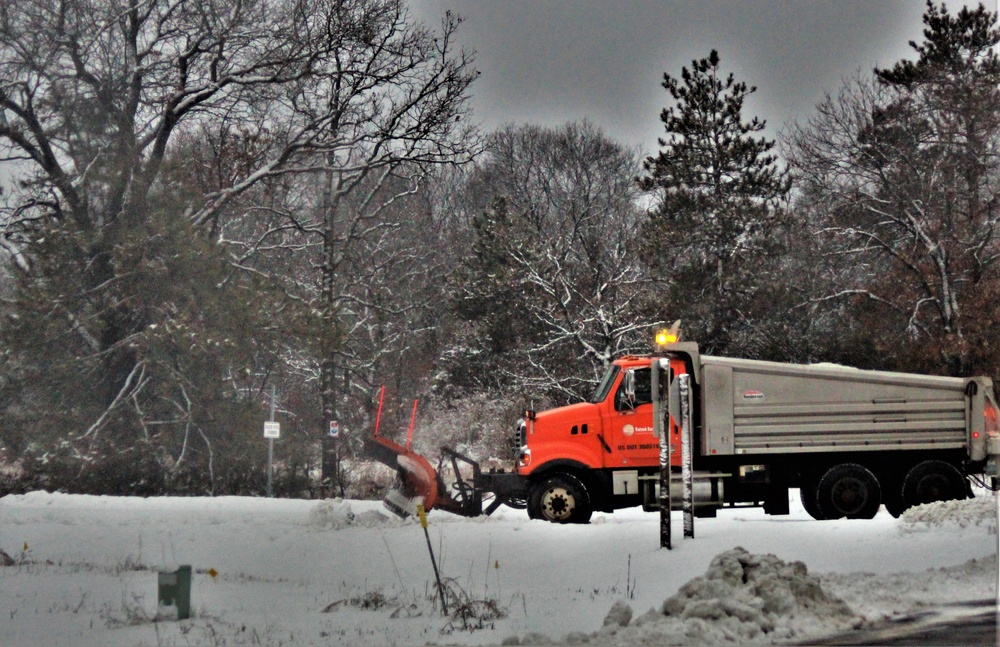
755,407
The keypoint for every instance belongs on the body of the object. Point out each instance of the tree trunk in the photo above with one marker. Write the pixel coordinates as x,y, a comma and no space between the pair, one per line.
330,462
330,459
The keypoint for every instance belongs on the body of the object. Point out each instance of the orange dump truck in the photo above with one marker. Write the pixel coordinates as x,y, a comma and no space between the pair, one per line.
849,440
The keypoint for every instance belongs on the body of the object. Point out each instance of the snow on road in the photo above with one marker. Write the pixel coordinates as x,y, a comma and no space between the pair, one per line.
293,572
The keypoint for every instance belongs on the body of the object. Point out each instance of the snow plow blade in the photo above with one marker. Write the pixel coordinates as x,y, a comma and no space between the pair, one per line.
418,483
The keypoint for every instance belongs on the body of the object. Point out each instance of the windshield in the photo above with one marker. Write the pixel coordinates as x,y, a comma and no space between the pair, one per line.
605,385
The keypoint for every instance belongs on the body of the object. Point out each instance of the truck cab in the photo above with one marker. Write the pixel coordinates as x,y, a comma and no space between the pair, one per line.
592,455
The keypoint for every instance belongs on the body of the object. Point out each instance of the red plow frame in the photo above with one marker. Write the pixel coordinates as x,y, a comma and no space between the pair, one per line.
418,483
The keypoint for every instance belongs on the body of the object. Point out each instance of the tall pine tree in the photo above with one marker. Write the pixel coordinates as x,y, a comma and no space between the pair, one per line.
719,192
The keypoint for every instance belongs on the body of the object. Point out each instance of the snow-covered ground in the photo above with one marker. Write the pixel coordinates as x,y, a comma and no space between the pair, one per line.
289,572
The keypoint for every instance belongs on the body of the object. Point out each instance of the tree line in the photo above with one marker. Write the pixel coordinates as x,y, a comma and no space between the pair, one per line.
209,199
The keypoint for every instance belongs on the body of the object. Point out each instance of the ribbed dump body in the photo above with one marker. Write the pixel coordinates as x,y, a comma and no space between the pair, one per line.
754,407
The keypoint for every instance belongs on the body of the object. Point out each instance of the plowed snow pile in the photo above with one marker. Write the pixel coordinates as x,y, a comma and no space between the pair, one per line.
746,598
335,514
981,511
742,599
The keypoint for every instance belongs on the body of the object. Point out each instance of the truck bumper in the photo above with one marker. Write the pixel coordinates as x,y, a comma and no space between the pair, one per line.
509,486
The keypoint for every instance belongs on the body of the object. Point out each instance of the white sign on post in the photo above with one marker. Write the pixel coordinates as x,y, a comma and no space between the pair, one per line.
272,430
334,429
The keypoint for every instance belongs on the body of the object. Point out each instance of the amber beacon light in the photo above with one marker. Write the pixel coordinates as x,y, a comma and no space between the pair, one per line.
665,336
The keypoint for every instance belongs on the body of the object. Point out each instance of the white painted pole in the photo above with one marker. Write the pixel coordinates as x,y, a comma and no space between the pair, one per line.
687,469
270,454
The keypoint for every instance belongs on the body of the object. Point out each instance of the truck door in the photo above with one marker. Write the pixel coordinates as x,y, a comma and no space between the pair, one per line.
630,425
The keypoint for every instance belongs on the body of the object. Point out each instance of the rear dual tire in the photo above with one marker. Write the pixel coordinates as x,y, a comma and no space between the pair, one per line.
847,490
852,491
931,481
807,493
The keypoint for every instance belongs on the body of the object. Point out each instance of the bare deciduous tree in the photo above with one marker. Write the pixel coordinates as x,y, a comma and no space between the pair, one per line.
901,171
93,96
555,278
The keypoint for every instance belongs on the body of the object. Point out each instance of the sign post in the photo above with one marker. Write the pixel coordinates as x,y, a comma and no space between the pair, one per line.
334,443
272,430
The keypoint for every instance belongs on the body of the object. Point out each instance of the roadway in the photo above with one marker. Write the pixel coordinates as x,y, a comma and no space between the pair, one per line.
969,623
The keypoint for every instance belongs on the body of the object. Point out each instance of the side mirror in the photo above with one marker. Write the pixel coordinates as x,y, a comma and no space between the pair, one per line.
628,387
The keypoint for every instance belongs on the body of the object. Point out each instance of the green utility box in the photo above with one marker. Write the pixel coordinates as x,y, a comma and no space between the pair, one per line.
173,594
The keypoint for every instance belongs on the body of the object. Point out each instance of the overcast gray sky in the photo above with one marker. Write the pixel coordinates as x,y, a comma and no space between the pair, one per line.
550,62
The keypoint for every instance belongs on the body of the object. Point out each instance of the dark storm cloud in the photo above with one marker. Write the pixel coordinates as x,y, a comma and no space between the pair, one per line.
553,62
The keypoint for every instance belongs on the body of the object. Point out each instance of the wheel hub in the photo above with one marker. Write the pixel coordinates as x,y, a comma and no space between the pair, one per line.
558,504
932,487
849,495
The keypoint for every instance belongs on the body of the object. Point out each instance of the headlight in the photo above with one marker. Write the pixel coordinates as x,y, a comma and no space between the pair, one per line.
520,438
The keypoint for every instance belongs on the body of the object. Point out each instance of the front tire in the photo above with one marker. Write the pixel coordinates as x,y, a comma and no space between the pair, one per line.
560,498
848,490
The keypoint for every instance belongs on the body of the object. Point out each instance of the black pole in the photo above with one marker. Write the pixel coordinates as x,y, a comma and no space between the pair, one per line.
430,549
661,426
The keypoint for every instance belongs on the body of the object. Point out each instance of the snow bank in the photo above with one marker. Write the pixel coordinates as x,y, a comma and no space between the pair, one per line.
335,514
883,596
84,573
743,598
981,511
